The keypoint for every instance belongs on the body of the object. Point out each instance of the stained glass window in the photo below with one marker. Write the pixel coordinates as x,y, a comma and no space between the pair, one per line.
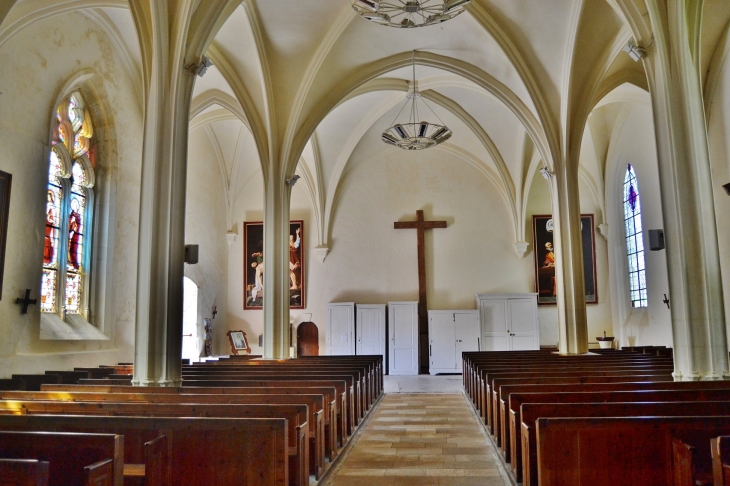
67,210
634,240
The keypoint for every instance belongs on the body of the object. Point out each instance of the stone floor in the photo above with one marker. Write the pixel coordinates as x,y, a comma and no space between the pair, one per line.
418,437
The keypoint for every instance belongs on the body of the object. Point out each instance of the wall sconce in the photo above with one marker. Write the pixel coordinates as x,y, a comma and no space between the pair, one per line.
293,180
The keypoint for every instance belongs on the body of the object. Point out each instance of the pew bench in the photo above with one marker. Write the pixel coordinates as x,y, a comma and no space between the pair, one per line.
23,472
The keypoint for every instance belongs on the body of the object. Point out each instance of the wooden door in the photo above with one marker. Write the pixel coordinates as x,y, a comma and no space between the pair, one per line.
523,324
493,317
307,339
370,325
341,328
403,334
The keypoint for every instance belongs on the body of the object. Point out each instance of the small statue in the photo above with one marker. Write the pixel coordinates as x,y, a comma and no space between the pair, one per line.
208,326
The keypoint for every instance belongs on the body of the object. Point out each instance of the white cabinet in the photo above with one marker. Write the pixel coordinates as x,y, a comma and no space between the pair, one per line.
341,328
449,334
508,322
370,326
403,336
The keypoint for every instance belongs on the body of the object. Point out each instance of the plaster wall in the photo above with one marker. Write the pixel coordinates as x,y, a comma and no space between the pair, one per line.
37,63
205,225
635,145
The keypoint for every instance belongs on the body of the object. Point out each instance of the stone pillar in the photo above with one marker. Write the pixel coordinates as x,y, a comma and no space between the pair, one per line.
158,339
568,242
276,266
693,259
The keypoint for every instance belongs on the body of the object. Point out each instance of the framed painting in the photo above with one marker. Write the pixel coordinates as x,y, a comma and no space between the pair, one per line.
5,181
238,342
253,261
545,285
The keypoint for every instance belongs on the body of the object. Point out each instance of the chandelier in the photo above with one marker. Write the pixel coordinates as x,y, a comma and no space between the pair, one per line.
416,135
409,13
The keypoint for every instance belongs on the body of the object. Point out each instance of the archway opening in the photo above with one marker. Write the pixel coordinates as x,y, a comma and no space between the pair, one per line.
191,339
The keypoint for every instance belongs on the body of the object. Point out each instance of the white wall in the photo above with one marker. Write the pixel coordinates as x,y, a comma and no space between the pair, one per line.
205,225
37,63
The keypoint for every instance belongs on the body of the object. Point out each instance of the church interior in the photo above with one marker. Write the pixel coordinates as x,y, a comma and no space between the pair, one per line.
576,154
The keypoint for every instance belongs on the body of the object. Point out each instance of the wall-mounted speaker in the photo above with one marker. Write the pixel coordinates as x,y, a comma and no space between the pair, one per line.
261,340
191,254
656,239
727,188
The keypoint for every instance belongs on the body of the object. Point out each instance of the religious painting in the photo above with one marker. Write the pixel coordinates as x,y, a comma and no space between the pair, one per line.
5,180
238,342
253,260
545,259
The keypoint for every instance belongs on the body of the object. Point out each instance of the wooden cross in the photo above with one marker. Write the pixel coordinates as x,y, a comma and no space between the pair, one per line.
26,302
215,311
420,225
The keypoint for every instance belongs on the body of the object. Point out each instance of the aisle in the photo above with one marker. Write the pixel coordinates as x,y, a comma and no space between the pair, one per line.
420,439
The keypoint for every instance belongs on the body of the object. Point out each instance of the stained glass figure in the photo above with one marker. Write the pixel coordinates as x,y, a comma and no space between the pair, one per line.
65,245
634,240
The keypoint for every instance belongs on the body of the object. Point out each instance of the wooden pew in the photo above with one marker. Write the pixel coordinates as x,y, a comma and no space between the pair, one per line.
512,397
68,454
315,405
497,383
720,450
531,412
296,416
204,451
626,451
23,472
34,382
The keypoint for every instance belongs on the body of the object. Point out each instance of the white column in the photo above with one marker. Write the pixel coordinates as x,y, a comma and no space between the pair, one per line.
693,259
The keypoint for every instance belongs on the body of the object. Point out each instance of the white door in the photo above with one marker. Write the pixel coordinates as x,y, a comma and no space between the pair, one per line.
495,336
370,330
403,335
341,328
466,334
522,320
441,342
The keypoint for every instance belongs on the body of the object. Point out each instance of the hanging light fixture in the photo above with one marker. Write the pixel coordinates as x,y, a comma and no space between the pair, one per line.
409,13
416,135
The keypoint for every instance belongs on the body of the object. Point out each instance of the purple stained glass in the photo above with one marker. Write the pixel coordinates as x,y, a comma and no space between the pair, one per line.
634,240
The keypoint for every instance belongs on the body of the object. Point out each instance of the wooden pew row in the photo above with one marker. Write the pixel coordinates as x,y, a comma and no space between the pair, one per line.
533,411
479,365
626,450
517,426
24,472
491,391
73,459
296,416
495,421
480,368
472,361
376,362
346,412
203,451
245,372
482,383
320,443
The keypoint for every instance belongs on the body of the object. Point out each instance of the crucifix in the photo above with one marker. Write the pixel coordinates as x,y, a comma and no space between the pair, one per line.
420,225
26,302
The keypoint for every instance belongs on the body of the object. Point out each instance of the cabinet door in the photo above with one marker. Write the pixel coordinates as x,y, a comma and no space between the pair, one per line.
340,329
522,324
493,315
403,333
371,330
466,330
441,348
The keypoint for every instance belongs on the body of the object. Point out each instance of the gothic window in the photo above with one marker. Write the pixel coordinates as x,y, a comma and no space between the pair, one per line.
68,211
634,240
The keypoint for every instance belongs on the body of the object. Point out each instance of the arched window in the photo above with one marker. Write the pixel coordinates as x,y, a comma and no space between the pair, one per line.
634,239
66,251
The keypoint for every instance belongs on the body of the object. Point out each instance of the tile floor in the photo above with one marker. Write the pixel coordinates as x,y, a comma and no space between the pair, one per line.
417,437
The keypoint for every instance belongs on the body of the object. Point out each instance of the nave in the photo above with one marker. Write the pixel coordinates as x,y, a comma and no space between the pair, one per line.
423,432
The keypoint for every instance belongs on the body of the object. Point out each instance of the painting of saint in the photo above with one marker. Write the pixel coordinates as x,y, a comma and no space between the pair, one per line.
74,237
545,283
253,248
49,242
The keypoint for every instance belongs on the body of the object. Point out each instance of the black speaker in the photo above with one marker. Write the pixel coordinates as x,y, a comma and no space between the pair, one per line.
727,188
191,254
656,240
261,340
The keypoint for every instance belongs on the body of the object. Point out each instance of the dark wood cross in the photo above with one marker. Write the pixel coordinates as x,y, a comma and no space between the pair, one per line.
215,311
26,302
420,225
